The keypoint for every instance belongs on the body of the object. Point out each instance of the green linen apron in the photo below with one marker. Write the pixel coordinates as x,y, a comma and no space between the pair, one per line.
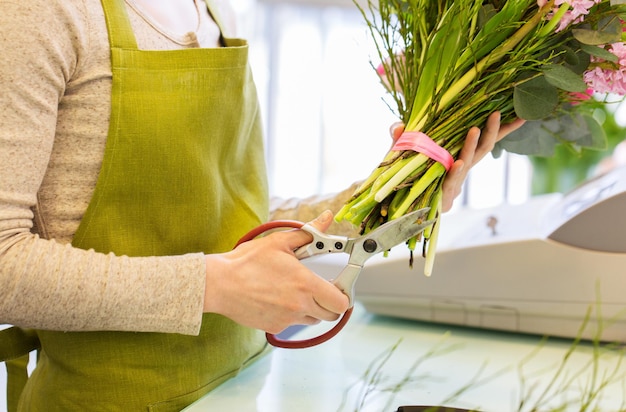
183,172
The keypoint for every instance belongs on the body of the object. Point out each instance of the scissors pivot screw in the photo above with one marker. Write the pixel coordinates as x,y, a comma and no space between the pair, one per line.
319,245
370,245
338,245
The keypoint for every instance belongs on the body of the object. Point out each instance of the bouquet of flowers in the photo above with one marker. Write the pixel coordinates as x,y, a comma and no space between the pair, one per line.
449,64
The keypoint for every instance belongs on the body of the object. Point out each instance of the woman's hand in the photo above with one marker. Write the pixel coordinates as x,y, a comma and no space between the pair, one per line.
261,284
477,144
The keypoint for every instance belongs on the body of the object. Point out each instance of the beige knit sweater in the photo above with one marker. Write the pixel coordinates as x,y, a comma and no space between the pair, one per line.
55,80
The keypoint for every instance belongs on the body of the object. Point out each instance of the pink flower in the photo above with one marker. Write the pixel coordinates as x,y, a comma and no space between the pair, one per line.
541,3
384,76
606,77
579,97
578,10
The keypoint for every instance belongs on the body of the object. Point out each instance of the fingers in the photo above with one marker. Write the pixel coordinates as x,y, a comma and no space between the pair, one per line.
323,221
487,138
330,302
453,184
329,299
476,146
396,130
471,148
261,283
300,238
509,128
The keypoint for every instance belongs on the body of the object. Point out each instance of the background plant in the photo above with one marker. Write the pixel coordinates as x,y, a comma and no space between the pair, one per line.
553,387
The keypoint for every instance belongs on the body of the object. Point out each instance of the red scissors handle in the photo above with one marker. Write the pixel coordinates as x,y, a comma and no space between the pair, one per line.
271,338
307,343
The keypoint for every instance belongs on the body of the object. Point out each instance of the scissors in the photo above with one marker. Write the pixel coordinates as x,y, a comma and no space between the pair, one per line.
360,250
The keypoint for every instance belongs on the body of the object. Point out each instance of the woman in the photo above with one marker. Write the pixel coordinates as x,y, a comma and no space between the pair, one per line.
130,164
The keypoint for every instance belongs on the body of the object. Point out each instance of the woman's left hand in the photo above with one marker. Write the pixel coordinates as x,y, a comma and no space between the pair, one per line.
477,144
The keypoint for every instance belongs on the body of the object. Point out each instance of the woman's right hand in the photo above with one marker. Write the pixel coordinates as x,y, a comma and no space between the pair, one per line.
261,283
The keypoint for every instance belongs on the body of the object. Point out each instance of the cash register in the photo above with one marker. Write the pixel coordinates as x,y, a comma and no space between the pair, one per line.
555,265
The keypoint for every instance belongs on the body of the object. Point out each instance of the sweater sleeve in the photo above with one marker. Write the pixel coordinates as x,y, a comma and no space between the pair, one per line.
309,208
48,284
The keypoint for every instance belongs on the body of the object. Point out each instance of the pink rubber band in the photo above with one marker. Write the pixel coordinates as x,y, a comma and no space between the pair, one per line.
421,143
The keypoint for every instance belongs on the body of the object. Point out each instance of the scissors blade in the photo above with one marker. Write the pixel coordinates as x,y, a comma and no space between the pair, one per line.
401,229
383,238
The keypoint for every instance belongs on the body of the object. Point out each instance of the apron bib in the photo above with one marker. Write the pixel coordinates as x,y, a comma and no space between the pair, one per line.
183,172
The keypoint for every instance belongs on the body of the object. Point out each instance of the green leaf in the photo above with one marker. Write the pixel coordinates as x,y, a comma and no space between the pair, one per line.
541,137
444,46
570,56
564,78
533,138
609,31
599,52
535,99
576,59
494,29
599,138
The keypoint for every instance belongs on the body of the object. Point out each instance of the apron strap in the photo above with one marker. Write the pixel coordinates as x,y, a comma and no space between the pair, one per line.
213,10
225,40
15,346
17,375
121,33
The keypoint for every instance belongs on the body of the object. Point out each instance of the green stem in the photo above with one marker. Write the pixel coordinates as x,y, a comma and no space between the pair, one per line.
344,212
433,212
498,53
397,178
390,172
397,200
429,261
554,21
361,209
376,173
435,171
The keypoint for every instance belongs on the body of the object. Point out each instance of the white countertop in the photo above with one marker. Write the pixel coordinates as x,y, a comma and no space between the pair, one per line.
332,376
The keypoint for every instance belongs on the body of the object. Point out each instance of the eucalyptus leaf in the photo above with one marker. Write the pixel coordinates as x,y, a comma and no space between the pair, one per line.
577,60
592,37
564,78
533,138
541,137
535,98
599,52
610,31
570,57
599,138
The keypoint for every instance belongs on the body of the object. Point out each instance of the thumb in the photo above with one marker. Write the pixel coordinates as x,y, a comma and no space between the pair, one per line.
323,221
299,238
396,130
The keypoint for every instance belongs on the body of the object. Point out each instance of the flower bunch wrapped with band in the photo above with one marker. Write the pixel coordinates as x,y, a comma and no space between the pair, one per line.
449,64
